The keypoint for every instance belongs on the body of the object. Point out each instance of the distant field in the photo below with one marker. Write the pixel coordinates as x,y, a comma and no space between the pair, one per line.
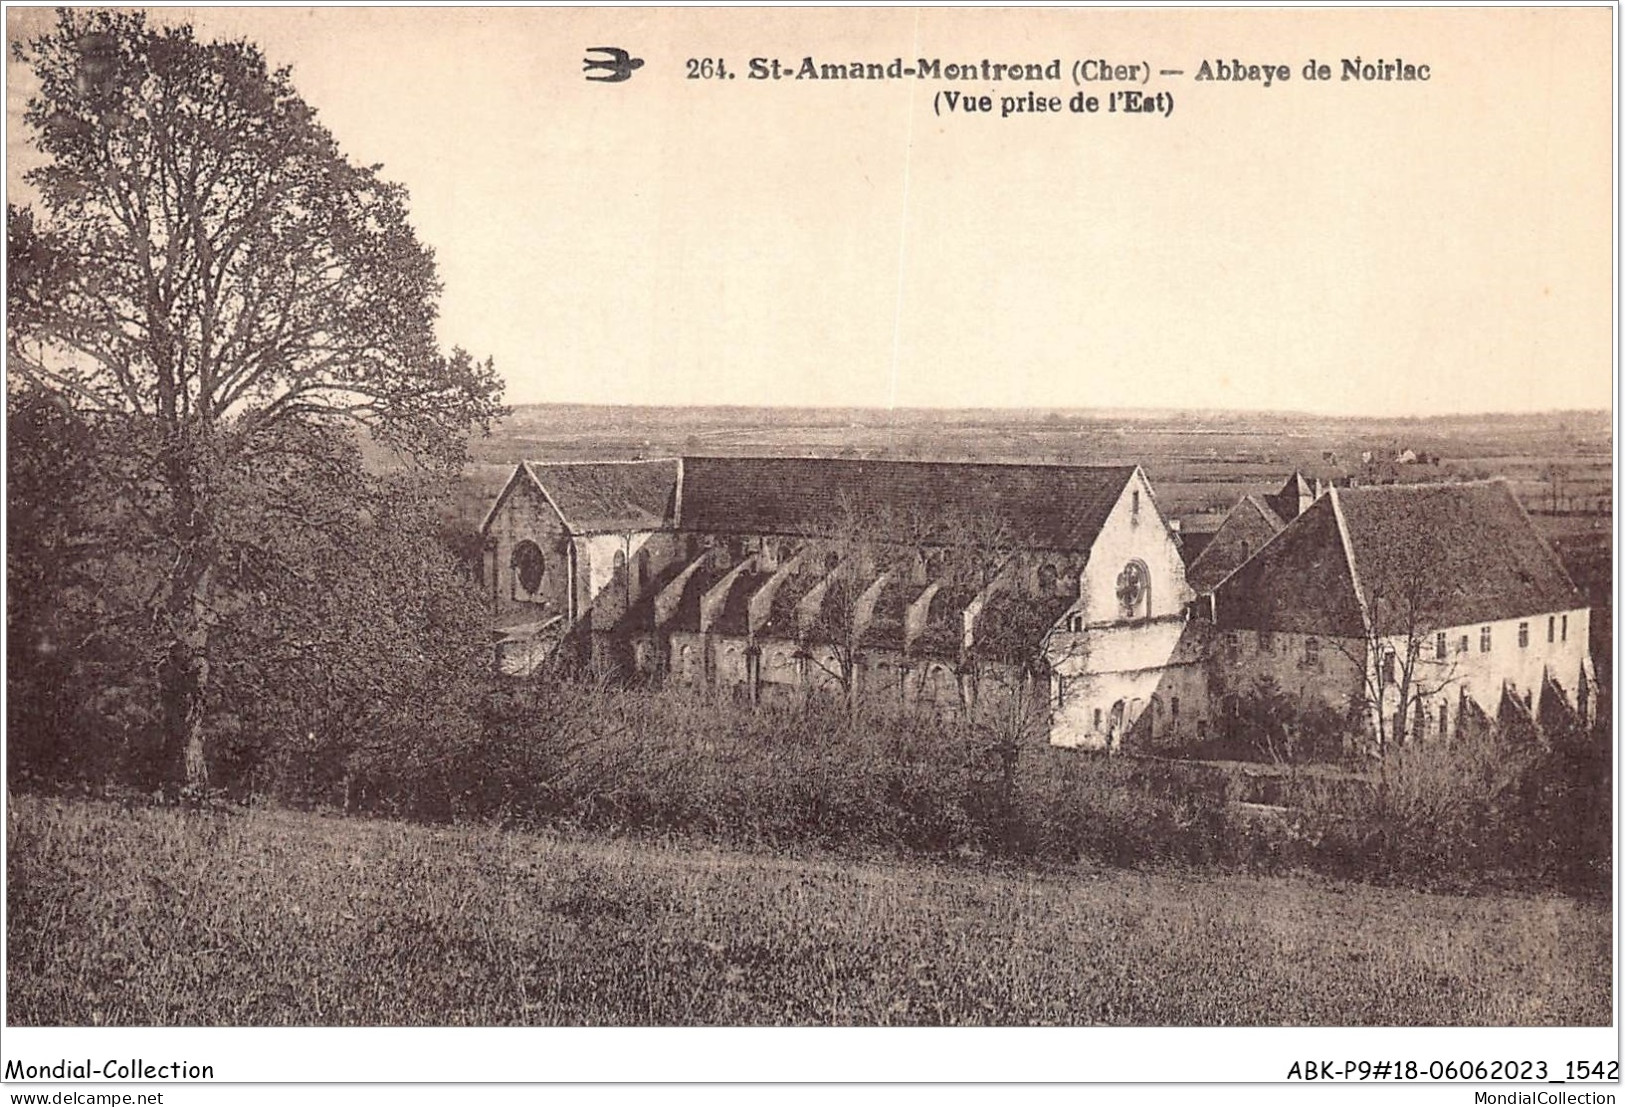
1197,461
150,917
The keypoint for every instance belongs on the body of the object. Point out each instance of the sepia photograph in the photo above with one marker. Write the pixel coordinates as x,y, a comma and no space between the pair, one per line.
1089,520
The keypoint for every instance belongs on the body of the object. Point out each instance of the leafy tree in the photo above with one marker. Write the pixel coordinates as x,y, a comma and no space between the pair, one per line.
356,652
211,282
1284,729
70,614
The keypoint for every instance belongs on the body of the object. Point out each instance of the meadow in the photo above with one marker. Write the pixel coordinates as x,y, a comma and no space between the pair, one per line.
145,916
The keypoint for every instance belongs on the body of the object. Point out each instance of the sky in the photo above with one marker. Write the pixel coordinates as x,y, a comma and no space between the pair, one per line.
1384,248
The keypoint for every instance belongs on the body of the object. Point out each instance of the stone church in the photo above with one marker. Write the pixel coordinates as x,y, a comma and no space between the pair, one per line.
1058,591
1055,589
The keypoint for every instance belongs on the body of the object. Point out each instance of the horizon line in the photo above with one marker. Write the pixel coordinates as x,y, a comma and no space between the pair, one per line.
1013,409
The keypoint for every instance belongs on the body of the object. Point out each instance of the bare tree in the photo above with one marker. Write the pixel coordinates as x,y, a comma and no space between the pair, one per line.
1402,661
866,550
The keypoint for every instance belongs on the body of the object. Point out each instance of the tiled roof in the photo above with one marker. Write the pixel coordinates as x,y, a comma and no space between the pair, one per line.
734,618
641,615
944,631
891,605
1452,554
687,615
1468,552
781,621
1250,524
1298,583
1057,507
596,496
1012,626
1292,495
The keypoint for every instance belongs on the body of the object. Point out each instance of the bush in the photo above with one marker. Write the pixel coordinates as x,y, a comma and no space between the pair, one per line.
586,754
1489,812
677,760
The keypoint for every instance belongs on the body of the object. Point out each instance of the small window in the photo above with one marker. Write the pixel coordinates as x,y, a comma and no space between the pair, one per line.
1097,718
1232,643
1060,691
1484,640
1311,651
1419,721
1387,667
1551,628
1444,717
1266,641
1173,708
1074,623
529,565
1134,503
1565,628
1523,636
1461,647
1440,646
1046,579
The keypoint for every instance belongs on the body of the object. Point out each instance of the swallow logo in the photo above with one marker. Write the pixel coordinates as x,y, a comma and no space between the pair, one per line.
617,63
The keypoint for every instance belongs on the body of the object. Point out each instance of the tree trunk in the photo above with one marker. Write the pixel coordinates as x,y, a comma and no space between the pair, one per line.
184,684
184,677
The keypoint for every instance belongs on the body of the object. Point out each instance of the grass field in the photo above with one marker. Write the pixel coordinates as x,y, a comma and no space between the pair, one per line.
149,917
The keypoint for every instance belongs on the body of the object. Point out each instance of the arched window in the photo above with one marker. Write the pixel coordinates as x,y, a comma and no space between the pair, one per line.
529,565
1134,590
618,566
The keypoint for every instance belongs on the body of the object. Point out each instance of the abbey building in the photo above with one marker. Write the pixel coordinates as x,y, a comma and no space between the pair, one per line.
1060,590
